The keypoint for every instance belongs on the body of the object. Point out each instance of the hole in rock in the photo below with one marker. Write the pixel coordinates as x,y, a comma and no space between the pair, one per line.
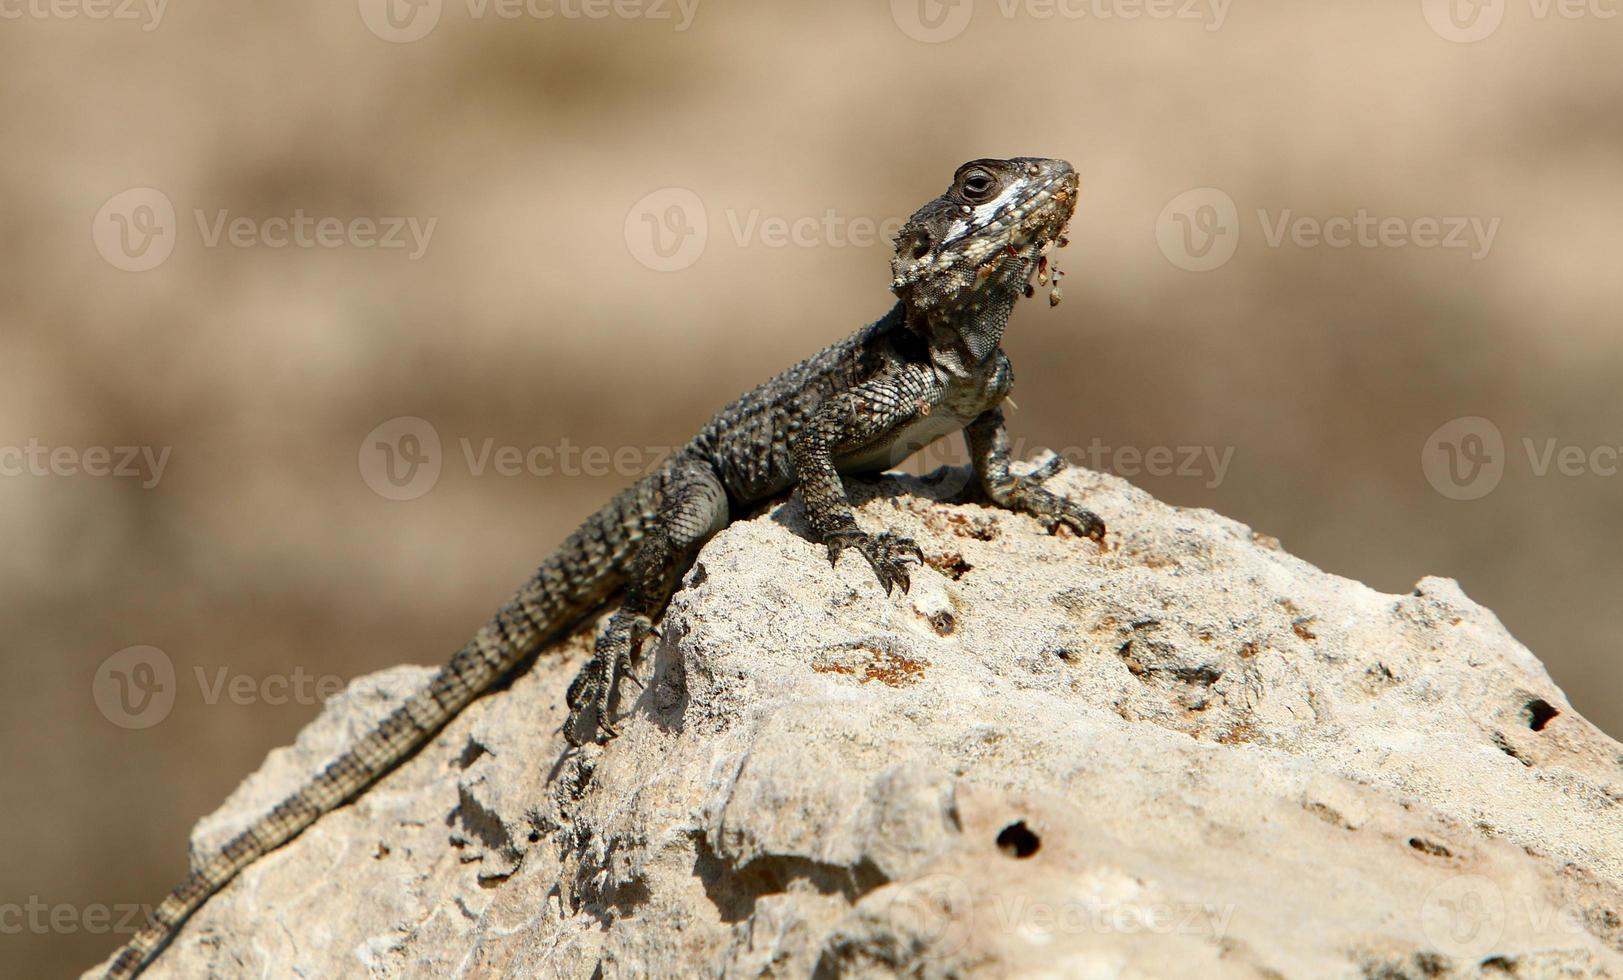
1017,840
1539,713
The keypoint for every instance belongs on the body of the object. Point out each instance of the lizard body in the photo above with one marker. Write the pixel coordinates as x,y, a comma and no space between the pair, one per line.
929,367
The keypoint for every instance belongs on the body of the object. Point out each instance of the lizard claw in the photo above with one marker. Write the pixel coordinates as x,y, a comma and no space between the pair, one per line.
590,695
1083,522
584,722
1027,494
888,553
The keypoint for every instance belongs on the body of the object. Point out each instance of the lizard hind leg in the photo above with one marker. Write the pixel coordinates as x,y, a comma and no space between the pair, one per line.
692,507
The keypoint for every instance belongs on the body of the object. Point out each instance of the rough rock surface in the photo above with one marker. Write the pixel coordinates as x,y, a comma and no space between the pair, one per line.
1189,755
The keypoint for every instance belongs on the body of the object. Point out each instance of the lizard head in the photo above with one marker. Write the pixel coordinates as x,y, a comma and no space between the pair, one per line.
981,241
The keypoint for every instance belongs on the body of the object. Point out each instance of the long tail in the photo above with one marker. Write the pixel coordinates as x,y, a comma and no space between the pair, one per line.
573,581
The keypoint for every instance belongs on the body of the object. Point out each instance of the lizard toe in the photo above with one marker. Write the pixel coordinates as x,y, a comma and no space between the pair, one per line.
891,555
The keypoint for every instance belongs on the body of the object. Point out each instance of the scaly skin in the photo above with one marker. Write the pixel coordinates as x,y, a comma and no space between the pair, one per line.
929,367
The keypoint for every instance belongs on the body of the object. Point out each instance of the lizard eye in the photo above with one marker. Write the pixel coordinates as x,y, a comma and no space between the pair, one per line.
978,186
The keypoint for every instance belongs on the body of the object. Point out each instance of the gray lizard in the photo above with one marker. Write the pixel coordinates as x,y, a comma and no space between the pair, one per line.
929,367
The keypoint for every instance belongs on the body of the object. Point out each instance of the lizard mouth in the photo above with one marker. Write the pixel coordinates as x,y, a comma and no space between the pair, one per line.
1043,228
1048,211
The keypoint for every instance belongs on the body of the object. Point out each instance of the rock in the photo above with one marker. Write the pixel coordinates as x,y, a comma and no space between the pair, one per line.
1189,755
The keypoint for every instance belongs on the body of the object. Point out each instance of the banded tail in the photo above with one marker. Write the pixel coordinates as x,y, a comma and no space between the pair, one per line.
571,583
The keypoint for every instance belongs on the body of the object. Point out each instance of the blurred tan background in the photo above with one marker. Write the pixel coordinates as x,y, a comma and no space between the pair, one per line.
548,152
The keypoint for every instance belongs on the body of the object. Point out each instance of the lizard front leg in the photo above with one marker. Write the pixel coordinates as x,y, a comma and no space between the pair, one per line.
989,451
693,508
852,420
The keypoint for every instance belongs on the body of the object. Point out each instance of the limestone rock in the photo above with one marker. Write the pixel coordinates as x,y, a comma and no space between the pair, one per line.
1189,755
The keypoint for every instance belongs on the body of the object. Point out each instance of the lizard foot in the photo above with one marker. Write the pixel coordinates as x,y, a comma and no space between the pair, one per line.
590,693
889,554
1028,495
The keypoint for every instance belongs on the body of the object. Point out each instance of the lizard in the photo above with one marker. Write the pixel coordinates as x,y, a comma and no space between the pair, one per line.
931,366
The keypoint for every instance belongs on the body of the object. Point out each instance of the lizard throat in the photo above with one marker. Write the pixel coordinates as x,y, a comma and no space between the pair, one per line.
967,334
